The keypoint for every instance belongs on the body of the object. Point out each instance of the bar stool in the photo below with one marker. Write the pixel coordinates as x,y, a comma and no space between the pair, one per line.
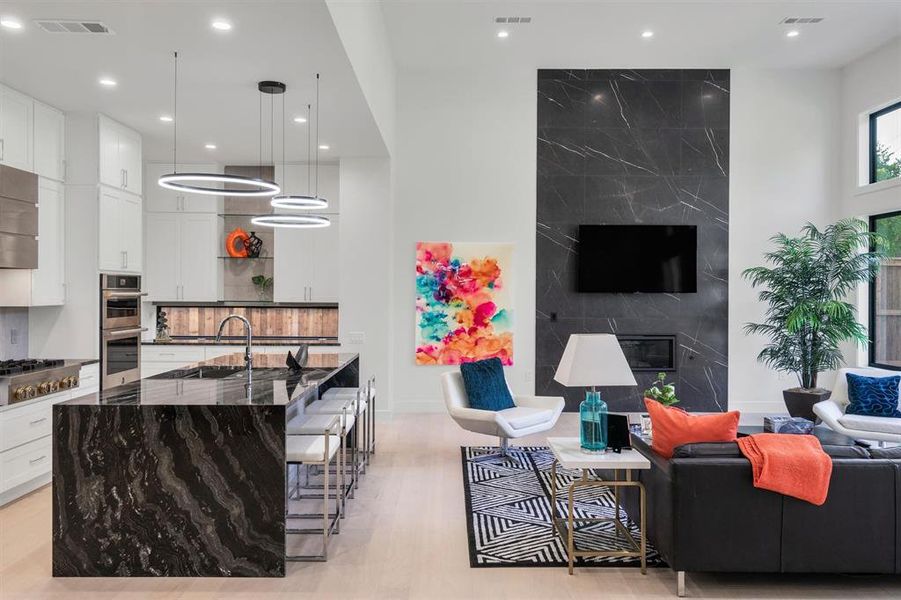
367,408
320,449
339,405
307,424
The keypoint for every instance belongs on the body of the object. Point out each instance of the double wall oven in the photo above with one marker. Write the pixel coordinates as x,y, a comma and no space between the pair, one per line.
120,329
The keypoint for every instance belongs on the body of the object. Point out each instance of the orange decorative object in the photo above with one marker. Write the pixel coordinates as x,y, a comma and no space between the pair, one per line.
234,243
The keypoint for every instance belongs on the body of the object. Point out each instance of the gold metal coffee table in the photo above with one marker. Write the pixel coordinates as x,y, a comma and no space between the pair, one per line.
568,454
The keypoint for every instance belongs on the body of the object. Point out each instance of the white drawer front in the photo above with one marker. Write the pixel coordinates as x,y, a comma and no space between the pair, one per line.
19,425
89,376
170,354
155,368
26,462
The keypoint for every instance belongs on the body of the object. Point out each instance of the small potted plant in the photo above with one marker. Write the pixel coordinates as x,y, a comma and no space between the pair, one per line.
264,287
808,315
662,392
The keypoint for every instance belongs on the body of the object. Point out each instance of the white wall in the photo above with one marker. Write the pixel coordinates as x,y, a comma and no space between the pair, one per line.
783,172
365,277
361,27
464,172
868,84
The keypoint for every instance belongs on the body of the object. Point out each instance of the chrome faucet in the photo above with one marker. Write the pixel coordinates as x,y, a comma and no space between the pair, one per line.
248,355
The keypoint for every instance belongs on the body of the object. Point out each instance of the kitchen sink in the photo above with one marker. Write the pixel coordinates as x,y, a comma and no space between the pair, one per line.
229,372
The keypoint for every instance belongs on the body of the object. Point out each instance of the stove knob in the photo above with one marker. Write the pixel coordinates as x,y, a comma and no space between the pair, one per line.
54,386
74,379
44,388
65,383
30,392
20,394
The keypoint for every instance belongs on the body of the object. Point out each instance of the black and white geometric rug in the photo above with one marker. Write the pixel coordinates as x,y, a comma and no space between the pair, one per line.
508,507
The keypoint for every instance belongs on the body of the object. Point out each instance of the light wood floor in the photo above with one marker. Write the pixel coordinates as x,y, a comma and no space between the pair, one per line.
404,537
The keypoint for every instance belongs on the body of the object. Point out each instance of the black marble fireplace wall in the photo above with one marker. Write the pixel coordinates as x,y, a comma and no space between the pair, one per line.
634,147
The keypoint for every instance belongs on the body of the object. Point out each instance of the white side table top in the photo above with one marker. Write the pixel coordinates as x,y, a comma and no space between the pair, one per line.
568,452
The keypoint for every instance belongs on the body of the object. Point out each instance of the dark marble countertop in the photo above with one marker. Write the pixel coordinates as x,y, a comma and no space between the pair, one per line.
222,381
239,341
247,304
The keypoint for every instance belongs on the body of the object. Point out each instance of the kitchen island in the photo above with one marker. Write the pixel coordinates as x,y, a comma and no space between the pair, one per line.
182,474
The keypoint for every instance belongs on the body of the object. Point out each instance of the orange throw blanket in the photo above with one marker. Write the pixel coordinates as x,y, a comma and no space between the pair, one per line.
794,465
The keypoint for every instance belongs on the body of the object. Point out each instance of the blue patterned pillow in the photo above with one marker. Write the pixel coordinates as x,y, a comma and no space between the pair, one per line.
485,385
873,396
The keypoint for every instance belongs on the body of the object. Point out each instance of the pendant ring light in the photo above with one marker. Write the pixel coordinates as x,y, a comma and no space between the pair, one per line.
202,183
298,201
295,221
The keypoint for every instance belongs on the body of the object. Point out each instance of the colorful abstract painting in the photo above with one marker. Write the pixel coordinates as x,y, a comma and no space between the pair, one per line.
463,303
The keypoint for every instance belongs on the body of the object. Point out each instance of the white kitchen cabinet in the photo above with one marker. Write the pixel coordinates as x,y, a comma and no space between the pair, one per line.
160,199
306,264
120,156
181,256
120,231
161,277
48,281
16,129
49,142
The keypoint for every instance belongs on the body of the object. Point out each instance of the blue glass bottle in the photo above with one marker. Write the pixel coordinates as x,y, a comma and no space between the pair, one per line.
593,420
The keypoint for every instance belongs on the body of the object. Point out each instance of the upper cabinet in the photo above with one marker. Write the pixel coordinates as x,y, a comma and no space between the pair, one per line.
158,199
120,156
48,281
16,129
120,232
49,142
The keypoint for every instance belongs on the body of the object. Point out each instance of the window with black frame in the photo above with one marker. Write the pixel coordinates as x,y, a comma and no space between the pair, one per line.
885,144
885,297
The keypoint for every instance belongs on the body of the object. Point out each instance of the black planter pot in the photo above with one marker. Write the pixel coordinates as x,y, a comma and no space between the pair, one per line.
799,401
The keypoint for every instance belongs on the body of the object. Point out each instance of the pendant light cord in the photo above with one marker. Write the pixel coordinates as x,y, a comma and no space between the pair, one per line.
284,161
317,135
309,150
260,163
175,118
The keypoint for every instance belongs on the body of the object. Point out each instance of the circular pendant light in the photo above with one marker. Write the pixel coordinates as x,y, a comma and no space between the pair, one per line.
291,221
204,183
308,201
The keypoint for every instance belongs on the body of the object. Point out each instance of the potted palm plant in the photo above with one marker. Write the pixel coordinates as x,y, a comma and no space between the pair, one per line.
808,316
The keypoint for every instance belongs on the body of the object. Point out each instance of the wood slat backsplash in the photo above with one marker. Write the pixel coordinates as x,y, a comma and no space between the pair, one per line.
204,321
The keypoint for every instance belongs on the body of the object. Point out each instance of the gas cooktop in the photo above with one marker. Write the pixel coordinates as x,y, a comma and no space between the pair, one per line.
14,367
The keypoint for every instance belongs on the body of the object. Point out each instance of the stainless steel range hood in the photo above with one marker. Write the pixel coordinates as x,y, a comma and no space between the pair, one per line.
18,219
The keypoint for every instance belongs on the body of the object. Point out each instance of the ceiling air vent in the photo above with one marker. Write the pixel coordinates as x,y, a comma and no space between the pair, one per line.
800,20
512,20
72,26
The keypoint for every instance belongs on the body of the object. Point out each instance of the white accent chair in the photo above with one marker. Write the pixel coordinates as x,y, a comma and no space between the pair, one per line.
832,411
532,414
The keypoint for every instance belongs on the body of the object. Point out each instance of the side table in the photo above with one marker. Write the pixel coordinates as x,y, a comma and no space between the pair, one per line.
568,454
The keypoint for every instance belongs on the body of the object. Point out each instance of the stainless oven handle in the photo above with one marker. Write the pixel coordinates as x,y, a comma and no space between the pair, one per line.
123,332
125,294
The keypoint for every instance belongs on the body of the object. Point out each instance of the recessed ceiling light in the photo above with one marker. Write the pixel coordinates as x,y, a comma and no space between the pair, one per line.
300,119
165,118
11,23
503,33
210,146
221,25
793,33
647,34
323,146
107,82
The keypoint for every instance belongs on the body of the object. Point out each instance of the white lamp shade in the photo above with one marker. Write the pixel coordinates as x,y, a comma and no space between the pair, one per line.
593,359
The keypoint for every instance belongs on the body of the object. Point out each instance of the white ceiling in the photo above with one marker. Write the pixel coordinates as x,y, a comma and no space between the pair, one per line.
217,97
604,34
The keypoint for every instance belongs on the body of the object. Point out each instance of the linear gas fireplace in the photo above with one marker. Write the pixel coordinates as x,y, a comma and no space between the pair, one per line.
649,352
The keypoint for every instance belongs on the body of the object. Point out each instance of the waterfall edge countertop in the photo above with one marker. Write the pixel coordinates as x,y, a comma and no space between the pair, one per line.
223,381
182,474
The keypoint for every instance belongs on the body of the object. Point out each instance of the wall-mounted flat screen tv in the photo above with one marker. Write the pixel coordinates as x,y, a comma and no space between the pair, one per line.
638,258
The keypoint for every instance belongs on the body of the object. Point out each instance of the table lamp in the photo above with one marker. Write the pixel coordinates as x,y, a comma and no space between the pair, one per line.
591,360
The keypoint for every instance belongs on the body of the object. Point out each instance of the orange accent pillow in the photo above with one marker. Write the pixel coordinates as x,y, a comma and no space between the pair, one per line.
672,427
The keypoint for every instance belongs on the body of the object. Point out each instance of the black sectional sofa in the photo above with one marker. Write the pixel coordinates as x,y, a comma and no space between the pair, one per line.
704,514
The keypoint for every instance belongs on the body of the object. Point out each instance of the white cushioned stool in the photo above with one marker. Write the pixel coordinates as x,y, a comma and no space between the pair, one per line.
321,447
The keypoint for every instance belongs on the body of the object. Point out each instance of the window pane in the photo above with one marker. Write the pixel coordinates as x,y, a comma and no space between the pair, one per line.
887,153
887,297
